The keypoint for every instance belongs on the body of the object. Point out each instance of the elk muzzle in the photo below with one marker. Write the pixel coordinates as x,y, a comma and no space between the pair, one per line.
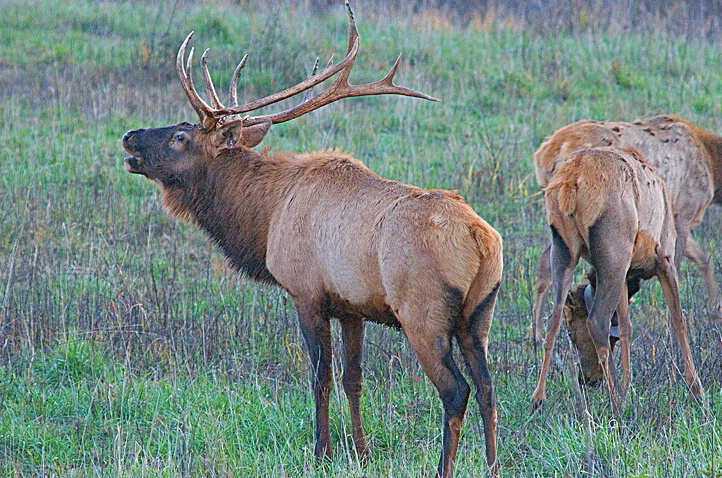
133,162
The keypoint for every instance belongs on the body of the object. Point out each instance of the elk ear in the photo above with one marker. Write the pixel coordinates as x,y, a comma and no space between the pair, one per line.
251,136
233,134
227,135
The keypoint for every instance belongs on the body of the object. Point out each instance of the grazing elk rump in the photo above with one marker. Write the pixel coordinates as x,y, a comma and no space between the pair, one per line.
687,157
610,207
342,241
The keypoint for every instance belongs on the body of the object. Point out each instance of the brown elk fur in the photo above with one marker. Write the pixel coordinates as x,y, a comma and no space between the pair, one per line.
687,157
610,207
576,314
344,243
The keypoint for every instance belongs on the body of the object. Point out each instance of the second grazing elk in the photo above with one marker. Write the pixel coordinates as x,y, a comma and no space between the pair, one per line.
687,157
610,207
577,306
342,241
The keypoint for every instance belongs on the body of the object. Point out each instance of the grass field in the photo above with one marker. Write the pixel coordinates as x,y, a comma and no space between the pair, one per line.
128,347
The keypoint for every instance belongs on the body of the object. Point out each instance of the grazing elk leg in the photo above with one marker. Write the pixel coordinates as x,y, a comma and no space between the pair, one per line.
667,275
316,331
544,275
697,255
681,226
625,340
433,350
352,330
562,267
473,340
611,261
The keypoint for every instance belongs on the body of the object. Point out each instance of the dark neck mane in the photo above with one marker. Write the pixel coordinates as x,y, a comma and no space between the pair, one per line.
232,203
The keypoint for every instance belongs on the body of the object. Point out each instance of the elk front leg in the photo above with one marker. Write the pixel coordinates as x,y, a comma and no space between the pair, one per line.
352,330
544,281
562,267
316,331
667,274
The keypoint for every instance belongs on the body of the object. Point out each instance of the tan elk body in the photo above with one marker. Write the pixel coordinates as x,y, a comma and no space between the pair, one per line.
610,207
687,157
344,242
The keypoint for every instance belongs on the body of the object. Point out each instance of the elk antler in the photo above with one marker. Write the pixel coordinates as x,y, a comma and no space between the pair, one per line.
210,115
204,111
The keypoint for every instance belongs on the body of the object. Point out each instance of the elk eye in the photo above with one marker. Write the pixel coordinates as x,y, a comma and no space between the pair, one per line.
180,137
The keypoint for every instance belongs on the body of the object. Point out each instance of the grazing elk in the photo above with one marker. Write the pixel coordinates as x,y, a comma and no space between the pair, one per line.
610,207
687,157
578,304
342,241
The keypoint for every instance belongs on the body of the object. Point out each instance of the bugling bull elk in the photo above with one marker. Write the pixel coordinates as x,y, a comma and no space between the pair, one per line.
687,157
342,241
610,207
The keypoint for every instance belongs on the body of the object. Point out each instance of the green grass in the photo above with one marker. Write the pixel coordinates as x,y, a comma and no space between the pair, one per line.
127,347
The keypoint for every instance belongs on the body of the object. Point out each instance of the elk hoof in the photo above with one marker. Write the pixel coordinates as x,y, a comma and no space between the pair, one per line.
536,406
364,454
697,393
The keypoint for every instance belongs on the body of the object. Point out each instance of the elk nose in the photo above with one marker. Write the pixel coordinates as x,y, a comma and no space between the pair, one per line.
129,135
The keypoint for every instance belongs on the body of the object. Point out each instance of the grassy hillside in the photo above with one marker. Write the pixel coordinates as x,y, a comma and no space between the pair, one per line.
127,346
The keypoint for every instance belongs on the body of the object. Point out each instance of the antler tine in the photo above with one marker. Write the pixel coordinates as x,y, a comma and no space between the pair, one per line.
307,93
315,67
325,74
388,81
202,109
353,36
233,88
210,89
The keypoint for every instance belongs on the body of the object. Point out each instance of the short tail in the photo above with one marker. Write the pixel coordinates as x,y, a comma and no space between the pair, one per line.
491,266
567,197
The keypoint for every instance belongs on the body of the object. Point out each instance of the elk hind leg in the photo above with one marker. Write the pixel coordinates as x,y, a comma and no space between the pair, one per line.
667,274
431,342
473,340
562,267
701,259
625,340
611,260
352,330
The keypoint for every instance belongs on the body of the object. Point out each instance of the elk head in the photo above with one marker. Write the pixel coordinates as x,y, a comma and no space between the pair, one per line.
578,304
168,154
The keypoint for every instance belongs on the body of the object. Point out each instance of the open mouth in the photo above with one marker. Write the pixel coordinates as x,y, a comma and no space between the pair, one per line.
132,164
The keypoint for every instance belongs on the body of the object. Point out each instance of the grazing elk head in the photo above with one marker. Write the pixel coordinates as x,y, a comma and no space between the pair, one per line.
578,304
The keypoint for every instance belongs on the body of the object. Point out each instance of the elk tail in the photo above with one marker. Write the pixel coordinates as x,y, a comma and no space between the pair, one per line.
567,197
491,265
